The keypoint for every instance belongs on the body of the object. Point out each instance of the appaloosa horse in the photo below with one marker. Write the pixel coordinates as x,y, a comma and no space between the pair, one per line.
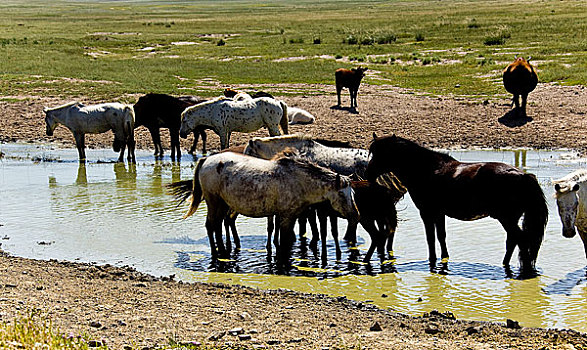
571,199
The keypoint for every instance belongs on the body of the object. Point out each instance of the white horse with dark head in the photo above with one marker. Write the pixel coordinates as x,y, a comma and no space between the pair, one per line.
95,119
225,115
261,188
571,199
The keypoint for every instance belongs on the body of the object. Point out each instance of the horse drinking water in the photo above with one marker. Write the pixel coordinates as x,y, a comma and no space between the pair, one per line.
571,199
260,188
95,119
442,186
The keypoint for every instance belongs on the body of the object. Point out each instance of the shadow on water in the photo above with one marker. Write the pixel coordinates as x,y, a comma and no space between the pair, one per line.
303,261
565,285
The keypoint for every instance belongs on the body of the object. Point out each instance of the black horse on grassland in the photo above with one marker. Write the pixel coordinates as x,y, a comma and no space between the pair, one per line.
442,186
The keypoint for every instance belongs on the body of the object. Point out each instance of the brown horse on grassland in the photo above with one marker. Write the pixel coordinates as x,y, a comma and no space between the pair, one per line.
519,79
155,111
441,186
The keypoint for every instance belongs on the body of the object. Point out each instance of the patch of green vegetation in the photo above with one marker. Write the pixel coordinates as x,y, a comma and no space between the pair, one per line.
105,50
37,332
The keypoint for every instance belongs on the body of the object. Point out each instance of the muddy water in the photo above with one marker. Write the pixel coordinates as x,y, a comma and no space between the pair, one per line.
104,212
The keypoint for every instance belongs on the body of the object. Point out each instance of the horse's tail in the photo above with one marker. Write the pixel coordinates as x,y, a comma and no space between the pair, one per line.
535,218
129,123
284,122
186,189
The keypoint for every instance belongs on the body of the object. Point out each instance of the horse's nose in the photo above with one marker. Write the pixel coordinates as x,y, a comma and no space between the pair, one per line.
569,232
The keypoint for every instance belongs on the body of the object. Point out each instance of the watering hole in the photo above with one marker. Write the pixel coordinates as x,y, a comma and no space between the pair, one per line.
121,214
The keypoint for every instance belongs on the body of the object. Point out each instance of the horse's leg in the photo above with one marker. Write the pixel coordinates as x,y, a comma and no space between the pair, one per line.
80,144
429,227
513,233
351,233
204,137
334,228
156,136
224,139
369,226
390,237
583,235
313,227
235,237
196,138
122,149
286,226
302,221
217,211
227,232
175,146
323,219
524,100
338,91
270,228
131,149
517,102
441,235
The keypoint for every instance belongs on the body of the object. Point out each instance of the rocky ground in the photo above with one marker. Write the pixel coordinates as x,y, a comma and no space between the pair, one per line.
125,308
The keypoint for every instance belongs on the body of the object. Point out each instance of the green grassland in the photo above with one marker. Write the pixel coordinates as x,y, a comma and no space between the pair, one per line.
111,49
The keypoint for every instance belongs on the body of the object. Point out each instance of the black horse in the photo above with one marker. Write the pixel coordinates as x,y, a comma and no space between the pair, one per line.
442,186
156,111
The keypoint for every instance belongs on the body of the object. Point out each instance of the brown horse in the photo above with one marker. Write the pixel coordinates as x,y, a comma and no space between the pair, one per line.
155,111
519,79
441,186
350,79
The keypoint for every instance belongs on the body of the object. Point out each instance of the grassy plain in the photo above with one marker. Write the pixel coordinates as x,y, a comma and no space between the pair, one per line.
111,49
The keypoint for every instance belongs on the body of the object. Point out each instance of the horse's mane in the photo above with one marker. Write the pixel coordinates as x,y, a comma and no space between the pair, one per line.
334,143
68,104
297,136
423,153
579,175
209,102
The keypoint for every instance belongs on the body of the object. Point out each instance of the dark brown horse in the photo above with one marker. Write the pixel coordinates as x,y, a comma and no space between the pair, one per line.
442,186
155,111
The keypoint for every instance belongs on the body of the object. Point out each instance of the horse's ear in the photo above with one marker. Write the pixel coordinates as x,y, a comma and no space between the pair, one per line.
529,58
45,109
557,187
393,137
575,188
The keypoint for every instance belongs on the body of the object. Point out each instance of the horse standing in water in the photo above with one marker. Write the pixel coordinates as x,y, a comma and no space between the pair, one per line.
224,115
155,111
442,186
95,119
260,188
571,199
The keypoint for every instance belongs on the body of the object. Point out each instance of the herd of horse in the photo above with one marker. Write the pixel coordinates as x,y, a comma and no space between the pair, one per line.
294,178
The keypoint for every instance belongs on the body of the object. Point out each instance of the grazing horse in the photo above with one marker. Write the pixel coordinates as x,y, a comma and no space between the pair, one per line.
571,199
442,186
225,116
350,79
260,188
95,119
155,111
519,79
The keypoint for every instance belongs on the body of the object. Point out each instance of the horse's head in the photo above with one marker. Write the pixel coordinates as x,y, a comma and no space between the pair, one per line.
380,162
342,198
187,122
50,121
567,202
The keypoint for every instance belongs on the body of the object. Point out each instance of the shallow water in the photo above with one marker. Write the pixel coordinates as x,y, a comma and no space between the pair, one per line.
105,212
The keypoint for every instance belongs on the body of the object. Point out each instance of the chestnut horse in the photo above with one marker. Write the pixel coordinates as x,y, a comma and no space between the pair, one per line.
519,79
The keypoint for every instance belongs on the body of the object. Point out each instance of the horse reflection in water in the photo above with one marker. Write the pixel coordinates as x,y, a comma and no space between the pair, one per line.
261,188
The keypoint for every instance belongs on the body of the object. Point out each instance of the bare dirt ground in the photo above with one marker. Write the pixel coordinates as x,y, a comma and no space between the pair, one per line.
128,309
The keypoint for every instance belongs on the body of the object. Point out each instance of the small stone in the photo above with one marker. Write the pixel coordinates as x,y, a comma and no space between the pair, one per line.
191,343
127,347
244,337
472,330
95,324
236,331
295,340
420,299
432,329
376,327
216,336
512,324
95,344
332,325
384,295
205,323
253,331
273,342
245,316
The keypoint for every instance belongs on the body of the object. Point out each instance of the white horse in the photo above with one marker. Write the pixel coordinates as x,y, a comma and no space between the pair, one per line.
261,188
299,116
95,119
571,199
224,115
